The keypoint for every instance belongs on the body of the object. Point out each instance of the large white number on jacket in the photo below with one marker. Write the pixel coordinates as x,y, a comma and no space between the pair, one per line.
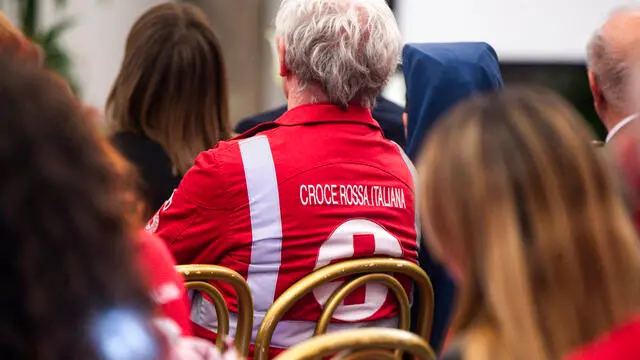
340,246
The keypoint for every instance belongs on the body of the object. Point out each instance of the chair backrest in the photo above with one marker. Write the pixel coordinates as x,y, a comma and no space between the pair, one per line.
197,277
372,270
360,343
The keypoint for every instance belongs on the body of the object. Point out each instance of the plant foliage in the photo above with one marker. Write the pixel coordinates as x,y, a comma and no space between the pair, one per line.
57,57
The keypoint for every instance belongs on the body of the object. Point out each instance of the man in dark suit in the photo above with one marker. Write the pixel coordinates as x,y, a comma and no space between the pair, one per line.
388,115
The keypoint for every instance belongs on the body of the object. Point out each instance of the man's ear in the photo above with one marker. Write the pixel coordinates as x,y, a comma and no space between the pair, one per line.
598,98
282,57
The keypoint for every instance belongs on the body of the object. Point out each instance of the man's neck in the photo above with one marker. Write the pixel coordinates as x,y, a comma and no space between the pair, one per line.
309,94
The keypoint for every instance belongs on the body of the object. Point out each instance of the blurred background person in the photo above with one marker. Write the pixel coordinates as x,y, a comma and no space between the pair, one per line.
540,244
612,60
439,76
76,287
68,262
170,100
154,259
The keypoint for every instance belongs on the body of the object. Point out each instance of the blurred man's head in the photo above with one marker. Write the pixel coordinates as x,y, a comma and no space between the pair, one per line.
610,52
338,51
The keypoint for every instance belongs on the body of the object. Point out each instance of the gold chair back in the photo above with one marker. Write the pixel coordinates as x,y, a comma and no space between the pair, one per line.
372,270
360,343
197,277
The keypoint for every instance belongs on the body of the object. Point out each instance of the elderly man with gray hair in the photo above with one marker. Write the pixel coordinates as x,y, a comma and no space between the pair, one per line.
610,57
613,59
317,186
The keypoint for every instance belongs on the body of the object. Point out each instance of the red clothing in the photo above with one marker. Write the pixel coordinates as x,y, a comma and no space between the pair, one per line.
624,147
167,287
317,186
619,344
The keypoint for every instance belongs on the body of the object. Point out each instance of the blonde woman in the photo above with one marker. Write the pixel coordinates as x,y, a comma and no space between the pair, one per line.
525,215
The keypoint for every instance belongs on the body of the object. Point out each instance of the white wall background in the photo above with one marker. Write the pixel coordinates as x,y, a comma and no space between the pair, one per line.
530,30
98,39
538,30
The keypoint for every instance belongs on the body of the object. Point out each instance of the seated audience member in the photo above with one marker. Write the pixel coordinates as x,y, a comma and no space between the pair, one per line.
318,185
70,286
166,285
386,113
438,76
169,101
540,244
67,262
612,57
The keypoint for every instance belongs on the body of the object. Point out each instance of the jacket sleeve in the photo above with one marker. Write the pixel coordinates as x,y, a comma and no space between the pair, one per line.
193,221
166,285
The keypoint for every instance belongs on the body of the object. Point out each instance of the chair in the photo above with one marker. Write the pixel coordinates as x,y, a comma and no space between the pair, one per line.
371,270
359,344
197,277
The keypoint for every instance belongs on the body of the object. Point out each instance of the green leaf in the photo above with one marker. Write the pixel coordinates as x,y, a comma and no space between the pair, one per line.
57,57
29,16
56,32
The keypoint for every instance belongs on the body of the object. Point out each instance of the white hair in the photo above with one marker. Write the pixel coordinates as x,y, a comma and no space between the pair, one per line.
349,47
611,67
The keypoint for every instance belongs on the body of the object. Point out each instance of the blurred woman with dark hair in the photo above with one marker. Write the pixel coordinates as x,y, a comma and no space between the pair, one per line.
71,289
169,102
527,218
67,262
152,254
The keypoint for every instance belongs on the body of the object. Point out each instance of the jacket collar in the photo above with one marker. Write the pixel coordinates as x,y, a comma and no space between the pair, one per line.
316,114
326,113
619,126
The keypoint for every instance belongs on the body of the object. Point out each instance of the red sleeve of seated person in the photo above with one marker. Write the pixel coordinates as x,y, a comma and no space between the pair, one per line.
167,286
620,343
626,149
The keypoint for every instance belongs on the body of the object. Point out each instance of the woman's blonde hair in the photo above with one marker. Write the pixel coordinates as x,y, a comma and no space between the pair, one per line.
172,86
517,202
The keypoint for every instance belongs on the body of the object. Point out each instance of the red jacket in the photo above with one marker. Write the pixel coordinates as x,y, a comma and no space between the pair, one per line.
619,344
167,287
317,186
624,147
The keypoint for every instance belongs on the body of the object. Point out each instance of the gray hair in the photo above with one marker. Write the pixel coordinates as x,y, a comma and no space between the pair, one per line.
349,47
610,67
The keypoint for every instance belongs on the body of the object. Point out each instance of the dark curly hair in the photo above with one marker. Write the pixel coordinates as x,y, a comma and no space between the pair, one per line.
66,252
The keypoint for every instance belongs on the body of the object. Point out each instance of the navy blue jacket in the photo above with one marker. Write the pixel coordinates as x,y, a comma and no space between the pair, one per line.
438,76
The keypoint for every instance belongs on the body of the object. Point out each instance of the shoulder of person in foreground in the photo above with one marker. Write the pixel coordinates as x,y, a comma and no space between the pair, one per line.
620,343
166,285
